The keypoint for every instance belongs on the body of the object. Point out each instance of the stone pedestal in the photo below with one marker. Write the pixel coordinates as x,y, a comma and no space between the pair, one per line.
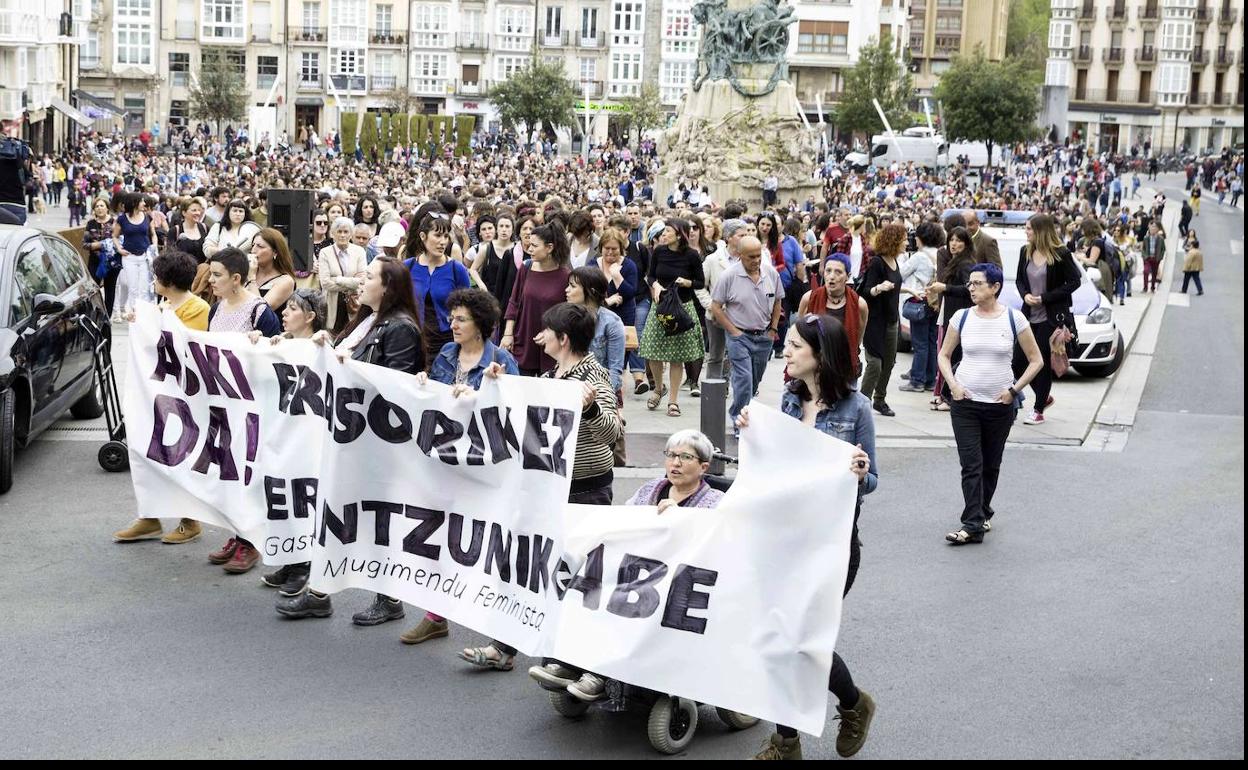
731,142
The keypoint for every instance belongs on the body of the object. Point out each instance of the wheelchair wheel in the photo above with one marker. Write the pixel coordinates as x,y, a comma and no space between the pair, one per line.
567,705
672,724
735,719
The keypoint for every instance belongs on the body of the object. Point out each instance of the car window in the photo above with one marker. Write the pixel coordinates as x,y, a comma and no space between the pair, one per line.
36,273
65,261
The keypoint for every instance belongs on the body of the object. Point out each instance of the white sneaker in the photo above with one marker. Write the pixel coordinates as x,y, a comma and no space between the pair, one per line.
552,675
1035,418
589,688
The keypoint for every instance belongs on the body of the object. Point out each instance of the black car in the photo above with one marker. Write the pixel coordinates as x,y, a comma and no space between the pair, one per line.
46,361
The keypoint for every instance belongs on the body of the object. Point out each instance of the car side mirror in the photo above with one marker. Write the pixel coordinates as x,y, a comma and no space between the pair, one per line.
47,304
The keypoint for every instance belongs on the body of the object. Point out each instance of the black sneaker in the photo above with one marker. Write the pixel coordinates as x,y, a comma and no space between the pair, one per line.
382,609
277,578
884,409
305,605
296,579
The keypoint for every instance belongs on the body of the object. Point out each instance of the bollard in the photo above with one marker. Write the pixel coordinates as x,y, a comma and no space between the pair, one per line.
714,417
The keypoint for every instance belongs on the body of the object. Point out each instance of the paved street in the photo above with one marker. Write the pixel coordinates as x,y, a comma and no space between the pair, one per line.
1103,617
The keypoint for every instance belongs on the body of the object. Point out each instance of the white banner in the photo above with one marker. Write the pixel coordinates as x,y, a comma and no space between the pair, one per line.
458,506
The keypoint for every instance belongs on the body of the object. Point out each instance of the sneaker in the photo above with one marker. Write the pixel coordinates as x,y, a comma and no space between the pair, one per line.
382,610
695,391
1035,418
855,723
305,604
884,409
910,387
905,376
225,553
425,630
779,747
188,530
641,388
296,579
589,688
278,577
245,557
139,529
554,675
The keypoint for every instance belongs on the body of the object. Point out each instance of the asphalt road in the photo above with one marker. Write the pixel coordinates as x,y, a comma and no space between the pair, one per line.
1104,616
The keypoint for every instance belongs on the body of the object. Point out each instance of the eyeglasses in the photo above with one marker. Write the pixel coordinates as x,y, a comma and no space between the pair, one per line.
815,321
320,223
975,284
684,457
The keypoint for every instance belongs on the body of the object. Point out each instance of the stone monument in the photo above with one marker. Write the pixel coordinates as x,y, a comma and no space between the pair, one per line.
741,121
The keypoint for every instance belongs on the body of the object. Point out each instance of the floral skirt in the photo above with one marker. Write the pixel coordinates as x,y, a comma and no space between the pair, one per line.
679,348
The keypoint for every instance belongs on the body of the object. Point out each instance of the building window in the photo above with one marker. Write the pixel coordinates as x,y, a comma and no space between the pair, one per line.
179,114
428,73
589,22
348,22
311,18
514,27
674,80
266,71
347,61
1173,78
948,23
680,34
179,68
626,22
90,58
1060,34
588,68
310,67
430,25
1176,36
823,37
134,44
223,19
385,19
554,21
506,66
140,8
625,73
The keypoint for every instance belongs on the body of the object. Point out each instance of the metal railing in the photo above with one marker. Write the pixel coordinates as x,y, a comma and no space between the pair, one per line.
595,88
1118,11
1200,56
310,81
1197,98
1150,11
386,37
306,34
1228,14
1203,14
1112,55
385,82
1223,99
479,87
1114,96
1087,11
1083,53
1146,54
472,41
1224,57
554,39
591,39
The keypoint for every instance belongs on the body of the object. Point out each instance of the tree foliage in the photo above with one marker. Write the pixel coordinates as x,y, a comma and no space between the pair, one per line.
1027,34
220,92
540,97
368,134
350,127
400,100
645,110
878,74
989,102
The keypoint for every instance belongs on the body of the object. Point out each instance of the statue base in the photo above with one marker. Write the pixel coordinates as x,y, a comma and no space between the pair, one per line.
731,143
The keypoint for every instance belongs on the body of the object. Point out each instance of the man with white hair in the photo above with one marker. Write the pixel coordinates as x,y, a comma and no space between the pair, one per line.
733,230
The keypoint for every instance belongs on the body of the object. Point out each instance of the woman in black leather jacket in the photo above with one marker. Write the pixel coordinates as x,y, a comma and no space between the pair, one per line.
385,333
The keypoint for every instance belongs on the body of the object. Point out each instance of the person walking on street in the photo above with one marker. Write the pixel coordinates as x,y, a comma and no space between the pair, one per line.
746,304
917,272
881,286
1047,278
984,393
1153,250
1185,218
1193,263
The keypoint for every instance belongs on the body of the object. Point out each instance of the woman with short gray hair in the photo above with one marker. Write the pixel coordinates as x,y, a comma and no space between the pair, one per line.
340,267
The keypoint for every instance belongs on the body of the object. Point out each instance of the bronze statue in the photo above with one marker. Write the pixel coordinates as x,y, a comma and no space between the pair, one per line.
756,35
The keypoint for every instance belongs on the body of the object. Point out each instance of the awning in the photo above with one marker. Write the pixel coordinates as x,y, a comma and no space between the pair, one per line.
309,101
87,99
70,111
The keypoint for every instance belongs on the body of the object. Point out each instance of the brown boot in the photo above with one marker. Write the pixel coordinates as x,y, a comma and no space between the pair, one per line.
188,530
225,552
855,723
139,529
425,630
779,747
245,557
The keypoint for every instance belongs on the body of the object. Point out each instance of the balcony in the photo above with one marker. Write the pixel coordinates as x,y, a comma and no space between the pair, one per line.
594,88
310,81
1146,56
1116,96
1223,58
385,82
1083,53
349,83
1223,99
431,86
184,29
1228,15
590,39
472,41
479,87
554,38
312,35
386,37
1112,55
19,26
1087,11
1196,99
1203,15
1200,56
1118,13
1150,13
221,35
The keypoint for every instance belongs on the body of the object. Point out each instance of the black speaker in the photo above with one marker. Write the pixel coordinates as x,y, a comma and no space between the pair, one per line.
290,213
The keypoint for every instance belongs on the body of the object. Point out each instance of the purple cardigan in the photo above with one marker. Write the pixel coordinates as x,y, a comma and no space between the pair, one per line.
653,491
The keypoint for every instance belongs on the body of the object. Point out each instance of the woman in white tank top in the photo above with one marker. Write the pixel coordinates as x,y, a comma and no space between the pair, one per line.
985,394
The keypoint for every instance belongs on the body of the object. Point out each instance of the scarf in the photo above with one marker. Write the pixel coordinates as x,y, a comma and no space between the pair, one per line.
853,329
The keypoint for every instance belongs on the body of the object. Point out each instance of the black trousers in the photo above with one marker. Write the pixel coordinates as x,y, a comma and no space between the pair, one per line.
981,431
1042,385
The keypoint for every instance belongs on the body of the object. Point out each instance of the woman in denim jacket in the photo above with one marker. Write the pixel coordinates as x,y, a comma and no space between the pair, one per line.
822,395
588,286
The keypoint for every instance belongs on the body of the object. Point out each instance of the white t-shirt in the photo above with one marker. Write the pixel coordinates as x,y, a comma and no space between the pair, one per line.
987,352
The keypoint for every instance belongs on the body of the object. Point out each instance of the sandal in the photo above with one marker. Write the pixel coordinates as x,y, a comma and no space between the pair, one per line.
655,399
941,407
673,410
477,656
962,537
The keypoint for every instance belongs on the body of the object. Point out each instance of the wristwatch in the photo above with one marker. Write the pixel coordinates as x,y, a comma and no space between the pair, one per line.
1013,392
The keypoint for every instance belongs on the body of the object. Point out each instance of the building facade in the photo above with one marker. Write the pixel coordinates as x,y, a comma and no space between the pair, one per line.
943,29
1166,73
306,61
38,48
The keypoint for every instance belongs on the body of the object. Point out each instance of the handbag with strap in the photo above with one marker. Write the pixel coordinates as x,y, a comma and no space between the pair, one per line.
1059,358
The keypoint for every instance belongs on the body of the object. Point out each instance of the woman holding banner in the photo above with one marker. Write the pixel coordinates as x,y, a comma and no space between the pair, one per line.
822,395
462,363
385,332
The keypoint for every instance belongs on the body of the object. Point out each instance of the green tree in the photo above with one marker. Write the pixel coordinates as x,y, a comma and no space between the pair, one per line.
220,93
879,74
540,97
369,140
990,102
350,126
1027,34
645,110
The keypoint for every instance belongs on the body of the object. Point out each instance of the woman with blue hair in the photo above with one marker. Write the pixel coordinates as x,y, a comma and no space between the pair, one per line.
985,395
838,299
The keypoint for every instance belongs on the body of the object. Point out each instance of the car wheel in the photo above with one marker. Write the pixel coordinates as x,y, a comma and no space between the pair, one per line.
7,408
1098,371
91,405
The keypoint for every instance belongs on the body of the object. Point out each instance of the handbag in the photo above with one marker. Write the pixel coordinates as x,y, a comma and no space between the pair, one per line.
1059,358
673,318
914,309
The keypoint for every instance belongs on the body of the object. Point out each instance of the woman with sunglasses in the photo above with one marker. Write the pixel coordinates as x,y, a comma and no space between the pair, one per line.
320,233
821,394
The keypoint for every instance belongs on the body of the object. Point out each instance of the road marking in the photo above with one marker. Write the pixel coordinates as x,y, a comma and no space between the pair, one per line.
1179,299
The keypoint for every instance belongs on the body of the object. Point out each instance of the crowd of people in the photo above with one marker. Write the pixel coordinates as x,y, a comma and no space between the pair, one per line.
505,262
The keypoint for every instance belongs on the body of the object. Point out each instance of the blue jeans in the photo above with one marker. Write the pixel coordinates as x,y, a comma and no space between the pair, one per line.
1122,283
923,341
748,355
635,362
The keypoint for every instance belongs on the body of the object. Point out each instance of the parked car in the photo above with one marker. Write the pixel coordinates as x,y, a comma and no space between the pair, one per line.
1100,349
46,361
